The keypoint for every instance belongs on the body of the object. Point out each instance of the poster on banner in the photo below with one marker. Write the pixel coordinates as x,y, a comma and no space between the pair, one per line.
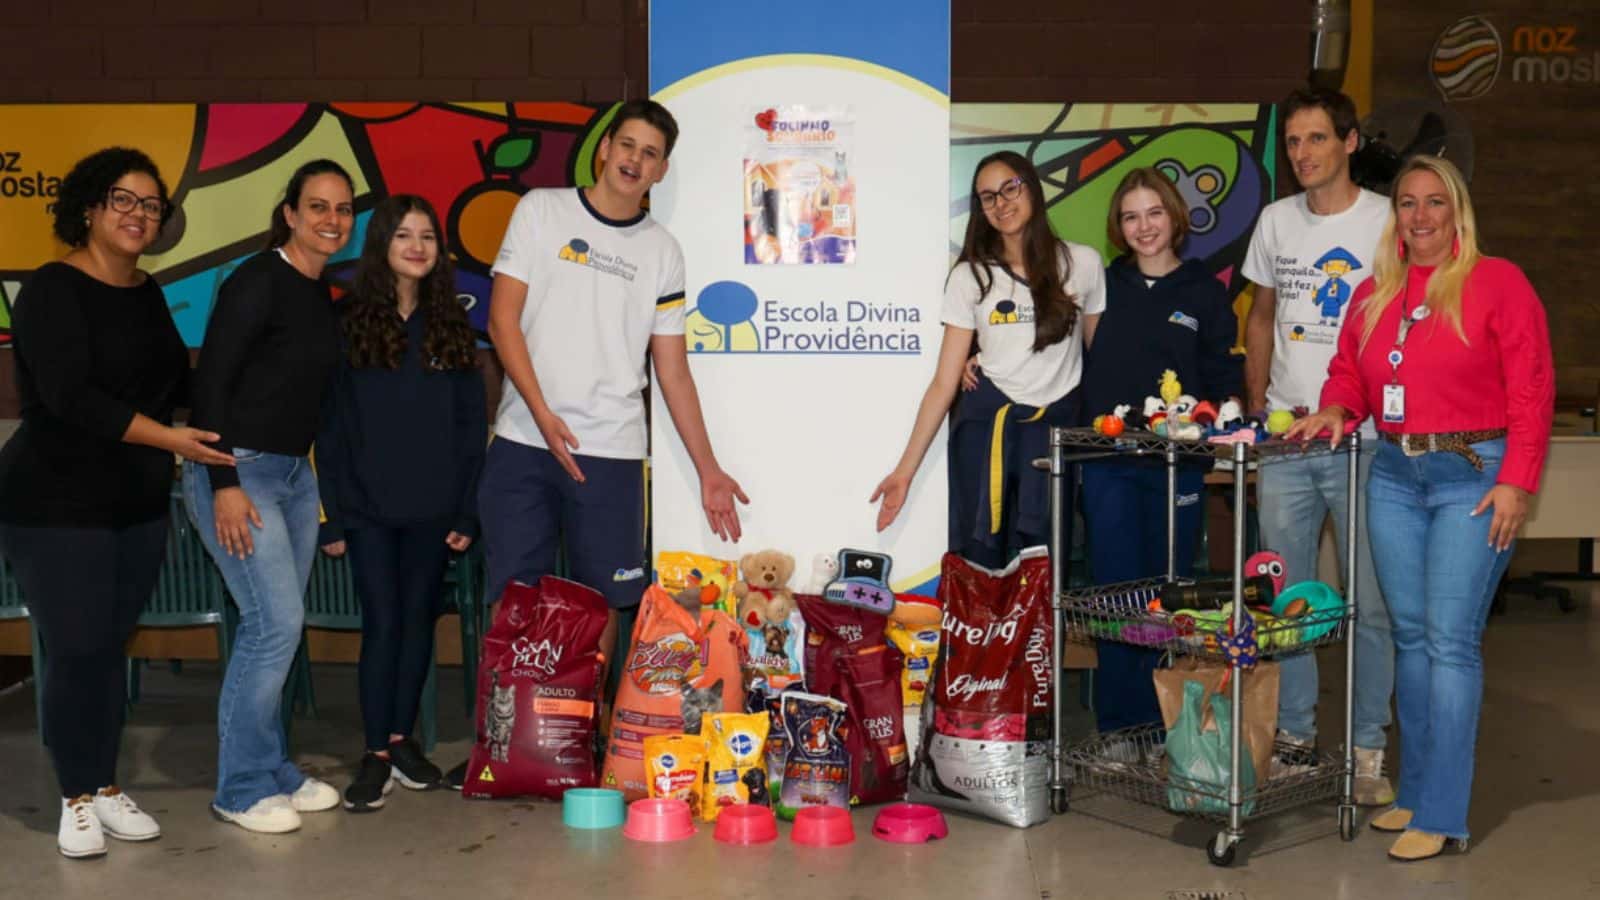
799,192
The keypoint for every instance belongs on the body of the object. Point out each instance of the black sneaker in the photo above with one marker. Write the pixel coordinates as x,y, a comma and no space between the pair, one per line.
411,768
372,783
457,777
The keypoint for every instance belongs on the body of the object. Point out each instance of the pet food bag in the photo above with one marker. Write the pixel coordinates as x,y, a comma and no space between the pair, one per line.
816,771
538,691
735,763
672,766
833,630
777,749
985,745
919,647
675,672
678,571
775,653
876,736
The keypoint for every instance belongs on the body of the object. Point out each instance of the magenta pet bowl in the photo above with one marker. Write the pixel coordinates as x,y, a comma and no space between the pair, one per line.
909,823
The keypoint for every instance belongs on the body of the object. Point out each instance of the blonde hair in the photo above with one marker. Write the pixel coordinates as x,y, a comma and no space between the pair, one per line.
1445,286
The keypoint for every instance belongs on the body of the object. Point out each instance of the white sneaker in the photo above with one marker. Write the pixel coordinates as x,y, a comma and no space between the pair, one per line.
270,815
314,796
80,835
121,818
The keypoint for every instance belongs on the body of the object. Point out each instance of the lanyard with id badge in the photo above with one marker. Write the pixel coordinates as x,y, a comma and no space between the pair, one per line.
1394,393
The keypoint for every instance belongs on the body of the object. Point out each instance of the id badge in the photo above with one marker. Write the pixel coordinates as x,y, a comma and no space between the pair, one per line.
1394,403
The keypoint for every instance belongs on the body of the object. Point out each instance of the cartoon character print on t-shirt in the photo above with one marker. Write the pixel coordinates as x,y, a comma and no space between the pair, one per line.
1315,296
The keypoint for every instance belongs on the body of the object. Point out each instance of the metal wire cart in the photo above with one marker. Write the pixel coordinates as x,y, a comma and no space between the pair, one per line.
1130,763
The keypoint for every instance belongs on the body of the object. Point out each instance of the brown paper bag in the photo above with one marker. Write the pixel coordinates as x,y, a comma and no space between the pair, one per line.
1259,695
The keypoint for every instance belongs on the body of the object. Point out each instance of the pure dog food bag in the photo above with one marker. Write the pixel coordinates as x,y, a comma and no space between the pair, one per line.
817,770
735,769
676,671
673,764
538,692
986,720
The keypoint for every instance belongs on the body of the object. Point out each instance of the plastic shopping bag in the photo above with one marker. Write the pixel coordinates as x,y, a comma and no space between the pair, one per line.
1197,780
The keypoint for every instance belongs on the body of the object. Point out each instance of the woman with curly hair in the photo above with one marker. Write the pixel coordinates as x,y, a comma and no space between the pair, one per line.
398,457
85,481
270,352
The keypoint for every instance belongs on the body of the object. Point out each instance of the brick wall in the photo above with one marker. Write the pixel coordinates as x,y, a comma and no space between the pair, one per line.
276,50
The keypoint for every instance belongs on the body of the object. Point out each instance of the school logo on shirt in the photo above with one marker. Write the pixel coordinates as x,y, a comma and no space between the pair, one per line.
580,252
1006,312
1335,292
1189,322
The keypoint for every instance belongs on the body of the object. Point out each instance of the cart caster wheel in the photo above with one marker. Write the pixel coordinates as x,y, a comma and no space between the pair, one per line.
1221,850
1058,801
1347,823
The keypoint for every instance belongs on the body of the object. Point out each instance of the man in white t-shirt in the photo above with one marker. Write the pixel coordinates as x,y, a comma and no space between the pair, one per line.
586,287
1306,258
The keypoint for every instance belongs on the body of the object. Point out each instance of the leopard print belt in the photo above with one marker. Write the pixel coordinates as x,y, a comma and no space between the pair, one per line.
1458,442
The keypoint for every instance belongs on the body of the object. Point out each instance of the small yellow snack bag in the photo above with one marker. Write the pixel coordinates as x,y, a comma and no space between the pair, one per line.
673,764
678,571
736,771
920,645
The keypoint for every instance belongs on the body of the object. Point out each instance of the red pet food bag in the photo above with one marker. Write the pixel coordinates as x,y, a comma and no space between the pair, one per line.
869,685
832,631
677,670
985,745
538,692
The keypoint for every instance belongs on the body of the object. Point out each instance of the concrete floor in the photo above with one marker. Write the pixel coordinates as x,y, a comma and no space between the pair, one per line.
1536,805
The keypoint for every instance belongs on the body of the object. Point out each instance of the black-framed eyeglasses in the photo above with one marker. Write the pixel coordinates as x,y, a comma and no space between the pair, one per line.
1010,190
124,201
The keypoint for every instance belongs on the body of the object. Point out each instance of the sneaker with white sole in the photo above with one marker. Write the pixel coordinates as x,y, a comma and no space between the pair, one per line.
413,769
80,836
269,815
1372,786
121,818
314,795
372,784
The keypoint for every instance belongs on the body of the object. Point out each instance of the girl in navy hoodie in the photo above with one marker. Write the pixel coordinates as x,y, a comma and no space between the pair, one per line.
398,457
1162,312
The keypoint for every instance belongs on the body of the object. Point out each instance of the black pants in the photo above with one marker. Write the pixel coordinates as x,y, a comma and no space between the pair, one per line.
399,577
85,588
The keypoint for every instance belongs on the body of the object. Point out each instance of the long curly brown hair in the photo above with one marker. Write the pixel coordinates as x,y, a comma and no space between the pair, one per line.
374,332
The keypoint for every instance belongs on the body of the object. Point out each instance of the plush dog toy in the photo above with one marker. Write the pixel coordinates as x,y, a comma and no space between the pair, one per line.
763,588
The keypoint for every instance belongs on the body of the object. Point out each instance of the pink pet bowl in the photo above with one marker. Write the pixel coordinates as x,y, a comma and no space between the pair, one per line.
745,825
822,826
658,821
909,823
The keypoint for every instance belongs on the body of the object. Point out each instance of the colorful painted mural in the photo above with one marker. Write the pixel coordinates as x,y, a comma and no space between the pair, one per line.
1221,157
226,165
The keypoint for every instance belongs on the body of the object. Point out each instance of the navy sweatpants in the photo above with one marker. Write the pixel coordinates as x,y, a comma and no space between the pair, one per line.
1125,511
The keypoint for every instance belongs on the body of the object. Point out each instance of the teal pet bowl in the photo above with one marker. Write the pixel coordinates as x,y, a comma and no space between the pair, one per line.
592,808
1325,605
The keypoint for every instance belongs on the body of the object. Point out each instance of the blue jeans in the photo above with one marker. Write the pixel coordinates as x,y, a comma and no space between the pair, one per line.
1438,570
1294,497
269,587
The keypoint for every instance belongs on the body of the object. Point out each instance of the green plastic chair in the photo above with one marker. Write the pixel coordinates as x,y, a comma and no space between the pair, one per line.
13,607
188,592
331,603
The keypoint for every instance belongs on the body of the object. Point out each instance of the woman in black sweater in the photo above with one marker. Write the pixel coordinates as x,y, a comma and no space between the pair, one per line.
1162,312
398,457
86,480
270,351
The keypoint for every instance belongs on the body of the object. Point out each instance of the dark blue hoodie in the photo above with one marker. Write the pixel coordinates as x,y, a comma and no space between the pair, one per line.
1182,321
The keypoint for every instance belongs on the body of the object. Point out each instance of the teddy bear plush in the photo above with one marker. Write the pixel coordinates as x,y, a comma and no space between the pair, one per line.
762,589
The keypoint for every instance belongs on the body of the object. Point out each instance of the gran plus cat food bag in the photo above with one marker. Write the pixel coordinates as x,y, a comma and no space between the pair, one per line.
986,718
869,684
676,671
672,765
538,691
735,762
816,771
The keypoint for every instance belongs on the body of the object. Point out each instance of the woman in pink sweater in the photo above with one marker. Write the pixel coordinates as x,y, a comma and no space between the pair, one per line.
1450,352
